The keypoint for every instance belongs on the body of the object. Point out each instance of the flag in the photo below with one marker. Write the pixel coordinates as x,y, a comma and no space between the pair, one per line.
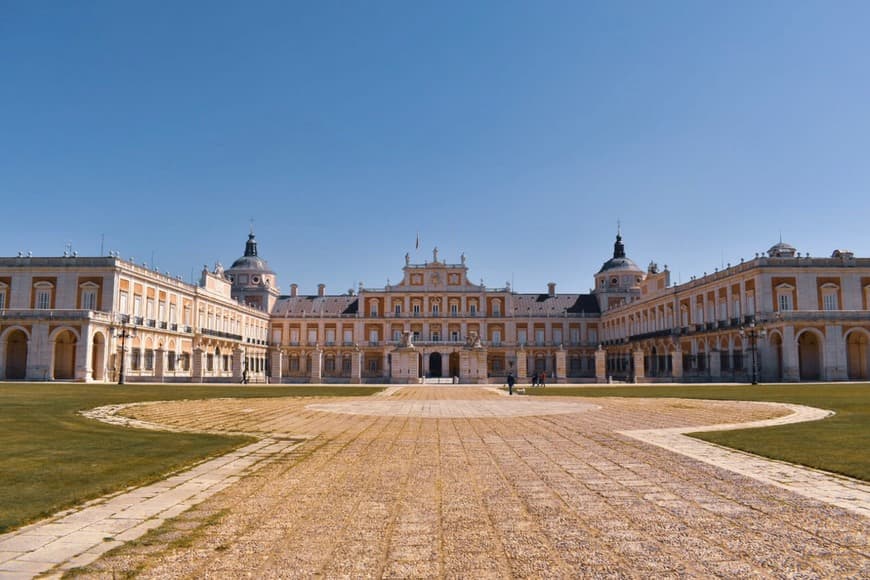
417,247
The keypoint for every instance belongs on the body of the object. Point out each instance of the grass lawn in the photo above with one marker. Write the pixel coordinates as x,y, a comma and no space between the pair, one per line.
840,444
52,458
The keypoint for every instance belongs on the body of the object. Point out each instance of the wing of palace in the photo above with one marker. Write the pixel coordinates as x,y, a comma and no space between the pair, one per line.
780,316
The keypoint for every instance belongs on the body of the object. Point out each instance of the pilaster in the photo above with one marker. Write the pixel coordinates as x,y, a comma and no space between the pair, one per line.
637,358
600,365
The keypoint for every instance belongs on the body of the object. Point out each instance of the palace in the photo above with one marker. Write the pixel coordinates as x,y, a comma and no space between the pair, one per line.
777,317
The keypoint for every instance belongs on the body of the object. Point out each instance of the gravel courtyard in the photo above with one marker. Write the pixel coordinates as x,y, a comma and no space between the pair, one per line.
466,482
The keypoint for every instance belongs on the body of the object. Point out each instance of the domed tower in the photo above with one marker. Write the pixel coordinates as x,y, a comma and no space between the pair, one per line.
619,278
254,283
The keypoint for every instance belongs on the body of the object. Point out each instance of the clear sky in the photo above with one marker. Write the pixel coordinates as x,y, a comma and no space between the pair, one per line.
517,132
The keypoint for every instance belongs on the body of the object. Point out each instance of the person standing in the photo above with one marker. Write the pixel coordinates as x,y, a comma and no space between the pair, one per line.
542,381
535,379
511,381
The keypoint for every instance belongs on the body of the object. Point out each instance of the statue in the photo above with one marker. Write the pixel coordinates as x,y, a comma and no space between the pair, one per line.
407,259
406,340
435,255
462,258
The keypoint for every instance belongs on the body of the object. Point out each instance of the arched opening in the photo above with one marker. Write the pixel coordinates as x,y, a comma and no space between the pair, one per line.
856,356
16,355
454,364
64,356
809,357
435,365
98,357
776,344
420,365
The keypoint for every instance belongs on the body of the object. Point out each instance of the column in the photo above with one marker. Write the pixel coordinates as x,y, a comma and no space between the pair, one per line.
600,365
522,365
835,354
316,365
790,368
715,364
159,365
238,365
196,365
276,365
561,366
637,357
356,366
677,364
81,369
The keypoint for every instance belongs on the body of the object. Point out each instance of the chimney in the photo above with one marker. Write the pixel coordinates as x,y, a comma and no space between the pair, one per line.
551,289
294,290
321,289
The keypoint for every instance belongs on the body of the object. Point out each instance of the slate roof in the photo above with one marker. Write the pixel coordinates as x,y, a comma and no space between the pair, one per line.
544,304
314,305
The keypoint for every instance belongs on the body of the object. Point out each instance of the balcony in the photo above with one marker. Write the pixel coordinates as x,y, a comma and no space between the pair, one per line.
220,334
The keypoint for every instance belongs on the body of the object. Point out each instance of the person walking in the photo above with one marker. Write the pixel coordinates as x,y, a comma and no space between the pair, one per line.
511,381
534,379
542,380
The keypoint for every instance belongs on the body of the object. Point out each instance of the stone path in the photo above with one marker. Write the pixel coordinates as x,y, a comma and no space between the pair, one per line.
462,482
78,537
844,492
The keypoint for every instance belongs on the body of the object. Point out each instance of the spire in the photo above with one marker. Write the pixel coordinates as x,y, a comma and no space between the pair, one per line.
251,245
618,247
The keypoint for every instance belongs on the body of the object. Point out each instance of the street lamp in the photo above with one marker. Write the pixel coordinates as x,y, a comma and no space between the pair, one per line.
753,334
123,335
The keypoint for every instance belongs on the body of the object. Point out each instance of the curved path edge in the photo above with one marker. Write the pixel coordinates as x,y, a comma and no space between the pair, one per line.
844,492
78,536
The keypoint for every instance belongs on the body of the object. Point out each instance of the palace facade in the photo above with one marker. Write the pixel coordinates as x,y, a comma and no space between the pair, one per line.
778,317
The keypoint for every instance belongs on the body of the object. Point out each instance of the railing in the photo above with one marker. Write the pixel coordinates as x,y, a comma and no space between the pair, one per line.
220,334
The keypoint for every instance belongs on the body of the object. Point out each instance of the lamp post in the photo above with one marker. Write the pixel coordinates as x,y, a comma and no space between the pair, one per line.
753,334
123,335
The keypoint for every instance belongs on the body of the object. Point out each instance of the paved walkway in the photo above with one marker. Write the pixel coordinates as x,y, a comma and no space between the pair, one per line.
843,492
77,537
465,482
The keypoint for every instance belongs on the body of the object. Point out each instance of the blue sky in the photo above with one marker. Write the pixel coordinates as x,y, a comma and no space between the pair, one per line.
517,132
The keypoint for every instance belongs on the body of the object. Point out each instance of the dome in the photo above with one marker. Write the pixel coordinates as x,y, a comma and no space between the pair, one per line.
251,262
621,264
619,261
782,250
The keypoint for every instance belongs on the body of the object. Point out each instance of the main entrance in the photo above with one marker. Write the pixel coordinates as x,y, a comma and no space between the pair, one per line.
435,370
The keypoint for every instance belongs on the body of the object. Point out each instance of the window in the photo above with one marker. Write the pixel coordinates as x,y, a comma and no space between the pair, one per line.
575,336
397,308
736,310
496,337
329,365
330,336
454,336
436,309
348,336
830,301
473,309
161,312
539,337
312,336
294,364
135,355
521,336
785,297
593,335
373,365
89,299
137,306
416,335
397,335
416,309
123,302
172,314
436,336
346,365
785,302
496,308
2,298
149,309
43,298
170,361
557,336
149,359
373,309
373,336
454,309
